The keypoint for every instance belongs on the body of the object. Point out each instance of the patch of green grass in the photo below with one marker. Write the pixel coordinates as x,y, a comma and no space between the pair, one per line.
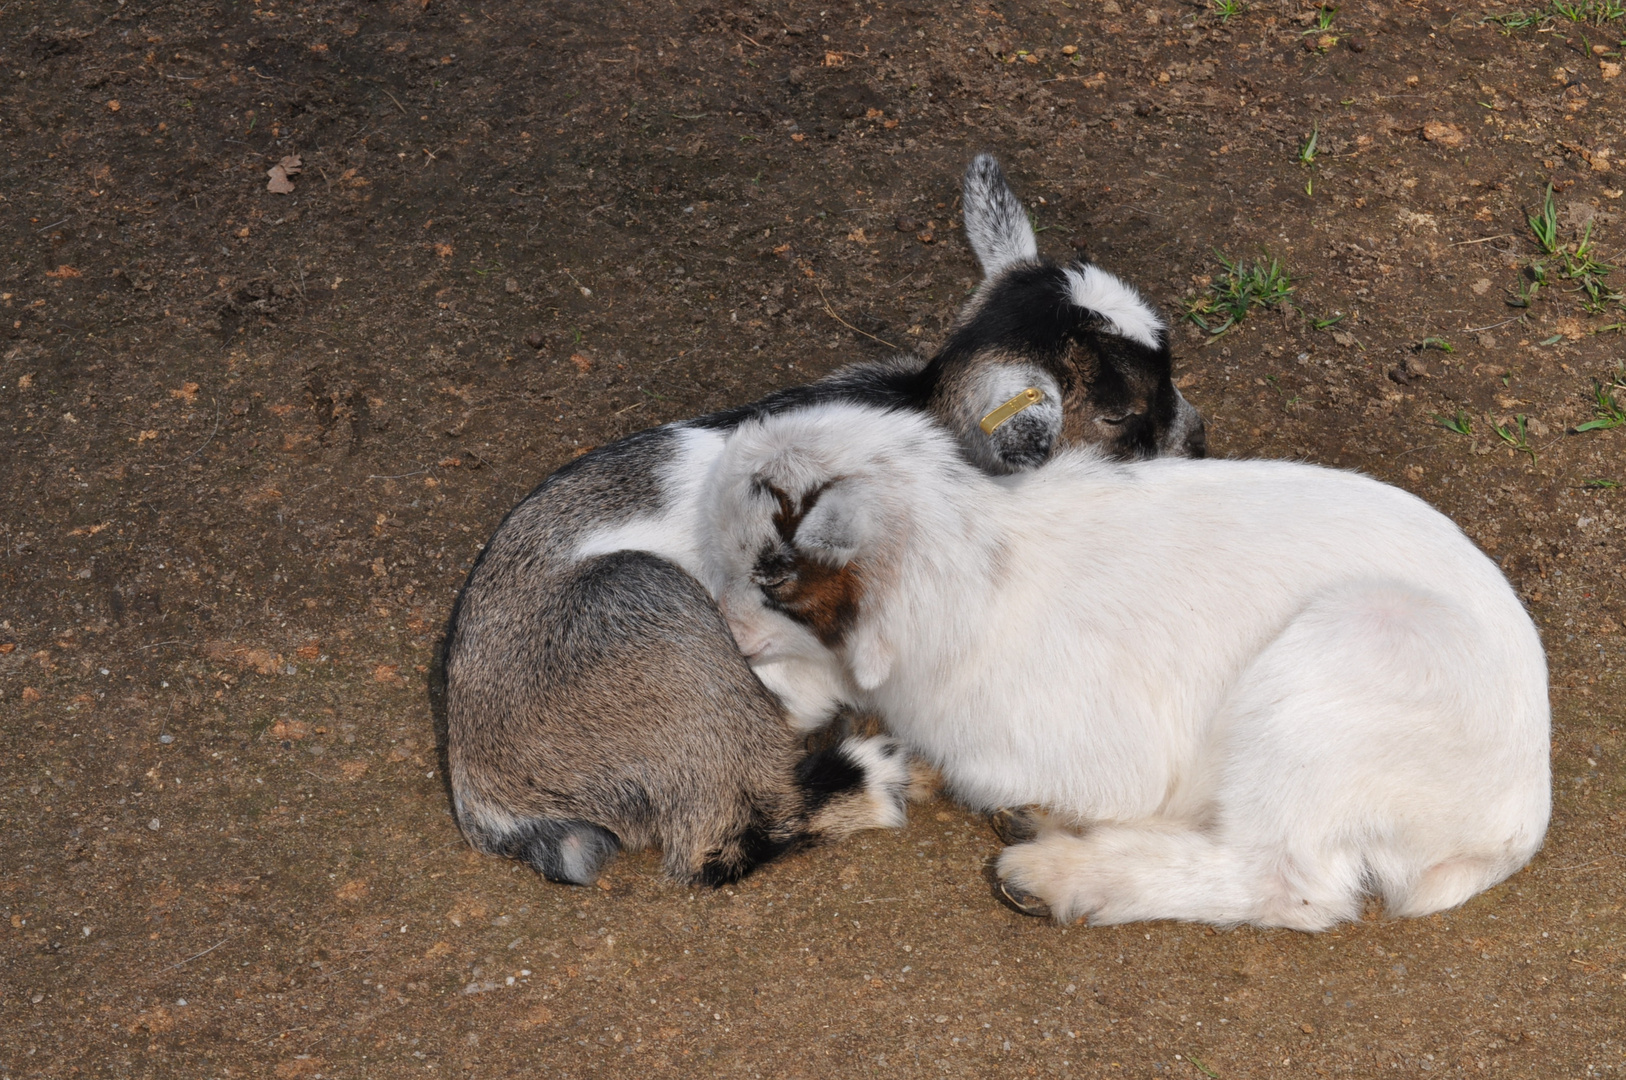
1461,424
1307,152
1436,343
1607,411
1544,223
1224,9
1243,287
1516,20
1600,482
1329,321
1592,11
1581,266
1515,436
1597,12
1531,282
1324,16
1577,262
1307,157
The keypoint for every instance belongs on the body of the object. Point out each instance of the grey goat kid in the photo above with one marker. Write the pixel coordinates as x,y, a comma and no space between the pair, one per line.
595,699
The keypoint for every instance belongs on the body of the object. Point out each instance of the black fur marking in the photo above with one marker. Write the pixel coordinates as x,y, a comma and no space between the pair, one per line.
824,774
882,387
569,852
1029,312
758,845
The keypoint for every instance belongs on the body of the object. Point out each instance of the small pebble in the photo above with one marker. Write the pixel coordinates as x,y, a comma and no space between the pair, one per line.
907,223
153,825
535,341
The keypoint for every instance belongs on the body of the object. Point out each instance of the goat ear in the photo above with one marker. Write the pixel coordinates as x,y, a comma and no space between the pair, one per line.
995,223
1012,417
834,524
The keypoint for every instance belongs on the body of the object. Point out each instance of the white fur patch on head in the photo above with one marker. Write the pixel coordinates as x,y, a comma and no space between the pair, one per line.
996,225
1126,314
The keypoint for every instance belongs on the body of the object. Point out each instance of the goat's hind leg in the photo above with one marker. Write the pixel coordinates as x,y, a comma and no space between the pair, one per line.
1128,873
1338,767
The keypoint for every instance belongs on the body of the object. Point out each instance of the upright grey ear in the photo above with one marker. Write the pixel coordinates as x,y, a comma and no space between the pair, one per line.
995,222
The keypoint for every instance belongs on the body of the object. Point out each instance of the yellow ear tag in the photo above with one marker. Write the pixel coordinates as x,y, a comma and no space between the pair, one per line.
1031,396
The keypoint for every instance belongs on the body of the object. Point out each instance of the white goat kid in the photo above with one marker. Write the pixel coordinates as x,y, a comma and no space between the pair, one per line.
1262,689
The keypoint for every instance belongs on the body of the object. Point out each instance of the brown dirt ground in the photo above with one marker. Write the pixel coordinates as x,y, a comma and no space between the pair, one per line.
253,440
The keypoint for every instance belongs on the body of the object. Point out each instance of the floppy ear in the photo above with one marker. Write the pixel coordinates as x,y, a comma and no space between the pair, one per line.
835,524
1014,419
995,222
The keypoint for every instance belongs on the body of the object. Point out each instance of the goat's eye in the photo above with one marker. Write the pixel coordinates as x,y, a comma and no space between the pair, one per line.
1114,420
774,570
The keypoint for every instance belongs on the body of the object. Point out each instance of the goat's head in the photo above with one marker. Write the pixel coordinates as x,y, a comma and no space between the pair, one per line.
1095,351
809,518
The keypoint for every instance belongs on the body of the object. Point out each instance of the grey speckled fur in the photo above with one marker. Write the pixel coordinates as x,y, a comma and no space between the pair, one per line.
597,701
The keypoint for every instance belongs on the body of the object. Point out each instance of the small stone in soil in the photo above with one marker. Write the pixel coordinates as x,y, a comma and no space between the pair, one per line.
535,341
907,224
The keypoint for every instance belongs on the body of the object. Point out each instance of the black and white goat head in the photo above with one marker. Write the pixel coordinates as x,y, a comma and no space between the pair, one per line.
1081,336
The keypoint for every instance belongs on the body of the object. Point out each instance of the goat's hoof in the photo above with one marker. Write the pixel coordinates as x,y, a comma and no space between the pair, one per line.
1014,826
1021,901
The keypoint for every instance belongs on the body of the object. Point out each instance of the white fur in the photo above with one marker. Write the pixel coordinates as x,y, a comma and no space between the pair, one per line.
996,226
673,532
1126,314
810,690
1266,688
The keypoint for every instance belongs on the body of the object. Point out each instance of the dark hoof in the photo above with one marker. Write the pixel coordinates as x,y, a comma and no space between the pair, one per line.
1020,901
1016,826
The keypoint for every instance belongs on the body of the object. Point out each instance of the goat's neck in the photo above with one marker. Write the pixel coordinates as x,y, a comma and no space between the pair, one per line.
948,572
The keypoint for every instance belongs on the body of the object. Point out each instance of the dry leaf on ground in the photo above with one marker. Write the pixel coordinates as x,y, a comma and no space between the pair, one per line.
1445,134
281,175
